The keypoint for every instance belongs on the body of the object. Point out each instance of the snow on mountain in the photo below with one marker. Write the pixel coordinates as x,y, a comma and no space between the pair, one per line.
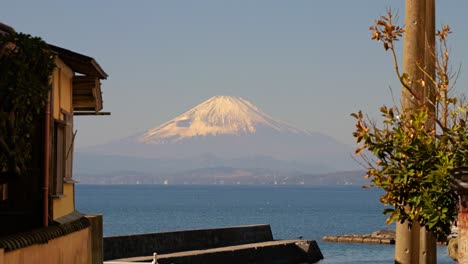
227,131
219,115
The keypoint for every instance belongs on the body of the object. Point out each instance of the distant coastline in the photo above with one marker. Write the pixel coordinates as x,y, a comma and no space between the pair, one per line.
226,176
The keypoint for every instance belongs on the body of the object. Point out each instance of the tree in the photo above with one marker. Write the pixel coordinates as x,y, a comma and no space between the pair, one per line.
26,65
412,157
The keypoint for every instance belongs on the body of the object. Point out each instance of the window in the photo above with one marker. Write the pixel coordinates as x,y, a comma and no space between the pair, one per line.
58,168
63,153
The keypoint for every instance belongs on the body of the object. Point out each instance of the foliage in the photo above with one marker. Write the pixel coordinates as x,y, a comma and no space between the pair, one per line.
414,150
25,66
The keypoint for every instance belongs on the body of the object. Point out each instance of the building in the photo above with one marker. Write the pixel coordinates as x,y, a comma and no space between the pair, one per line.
38,219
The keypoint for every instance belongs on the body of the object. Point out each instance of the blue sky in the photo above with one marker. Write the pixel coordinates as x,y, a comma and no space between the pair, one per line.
309,63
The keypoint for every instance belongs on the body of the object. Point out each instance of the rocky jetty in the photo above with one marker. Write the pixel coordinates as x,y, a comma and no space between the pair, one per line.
377,237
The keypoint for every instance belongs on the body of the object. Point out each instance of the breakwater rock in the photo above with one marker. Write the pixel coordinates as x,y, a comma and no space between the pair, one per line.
377,237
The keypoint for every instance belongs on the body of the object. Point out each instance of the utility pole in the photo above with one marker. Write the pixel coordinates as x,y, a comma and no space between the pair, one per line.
416,245
427,244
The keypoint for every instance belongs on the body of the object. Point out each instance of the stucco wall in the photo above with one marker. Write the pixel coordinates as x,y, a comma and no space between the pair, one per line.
62,89
62,101
72,248
65,204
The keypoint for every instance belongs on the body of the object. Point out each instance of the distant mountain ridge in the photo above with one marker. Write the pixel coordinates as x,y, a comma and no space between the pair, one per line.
224,131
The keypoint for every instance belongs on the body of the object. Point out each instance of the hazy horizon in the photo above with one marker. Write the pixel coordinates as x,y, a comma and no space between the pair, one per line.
307,63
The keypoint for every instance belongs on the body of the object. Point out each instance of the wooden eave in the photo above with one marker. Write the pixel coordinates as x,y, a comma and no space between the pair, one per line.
80,63
87,95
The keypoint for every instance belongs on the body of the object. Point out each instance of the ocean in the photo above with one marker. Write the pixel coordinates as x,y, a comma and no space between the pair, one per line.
310,212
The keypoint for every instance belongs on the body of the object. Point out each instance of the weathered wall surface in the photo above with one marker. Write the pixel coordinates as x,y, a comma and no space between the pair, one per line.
167,242
65,205
95,232
72,248
62,89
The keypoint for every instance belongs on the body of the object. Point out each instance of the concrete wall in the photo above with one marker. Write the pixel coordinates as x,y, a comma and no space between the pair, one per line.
72,248
96,241
277,253
167,242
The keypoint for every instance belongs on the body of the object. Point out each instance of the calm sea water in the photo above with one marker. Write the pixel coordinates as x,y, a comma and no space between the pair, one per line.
292,212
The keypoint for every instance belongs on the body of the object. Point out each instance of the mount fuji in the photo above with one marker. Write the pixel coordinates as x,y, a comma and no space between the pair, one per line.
222,132
220,115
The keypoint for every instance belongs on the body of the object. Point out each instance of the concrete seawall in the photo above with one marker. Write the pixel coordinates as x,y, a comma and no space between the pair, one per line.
277,252
117,247
253,244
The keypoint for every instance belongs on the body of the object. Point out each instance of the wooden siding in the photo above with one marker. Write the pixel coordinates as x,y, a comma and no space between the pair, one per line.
87,93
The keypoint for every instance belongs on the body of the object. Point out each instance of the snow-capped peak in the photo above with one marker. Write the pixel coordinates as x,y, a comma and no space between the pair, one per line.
217,116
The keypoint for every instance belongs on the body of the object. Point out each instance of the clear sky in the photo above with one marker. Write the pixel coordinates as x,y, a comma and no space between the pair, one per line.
309,63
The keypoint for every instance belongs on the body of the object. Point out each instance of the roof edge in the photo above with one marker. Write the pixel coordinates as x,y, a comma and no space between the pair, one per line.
68,55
